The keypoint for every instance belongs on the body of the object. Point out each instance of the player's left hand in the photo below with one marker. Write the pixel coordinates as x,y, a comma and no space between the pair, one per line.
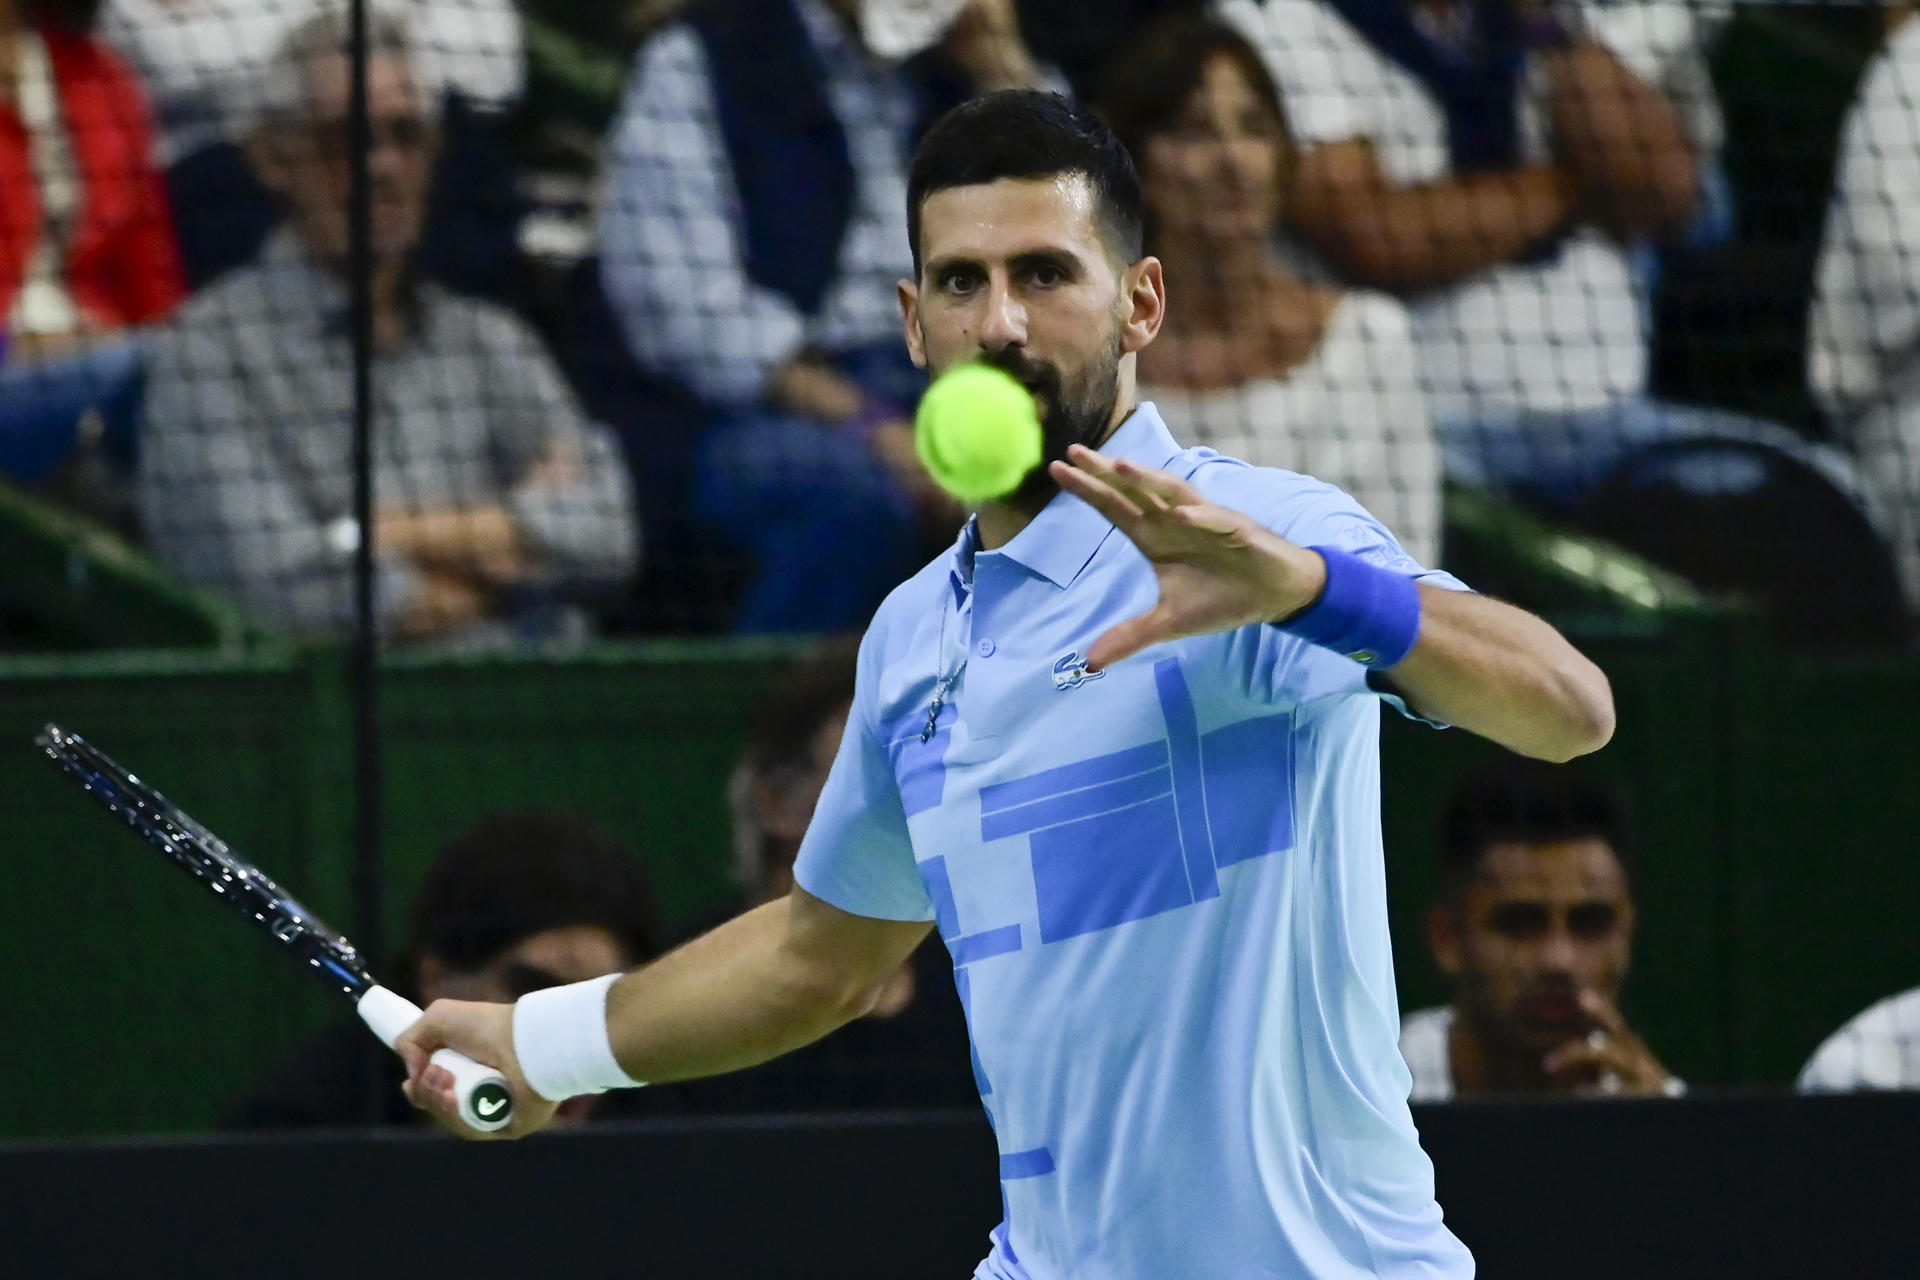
1218,569
1609,1059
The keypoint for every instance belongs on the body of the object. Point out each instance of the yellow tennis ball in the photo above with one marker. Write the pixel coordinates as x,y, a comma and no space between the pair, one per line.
977,432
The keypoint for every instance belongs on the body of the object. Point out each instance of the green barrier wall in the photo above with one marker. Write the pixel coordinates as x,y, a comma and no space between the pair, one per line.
1774,798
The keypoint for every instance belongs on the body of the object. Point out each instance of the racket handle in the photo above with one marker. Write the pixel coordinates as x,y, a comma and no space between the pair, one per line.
486,1101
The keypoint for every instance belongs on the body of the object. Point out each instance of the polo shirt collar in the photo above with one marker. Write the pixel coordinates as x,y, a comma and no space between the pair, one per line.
1061,541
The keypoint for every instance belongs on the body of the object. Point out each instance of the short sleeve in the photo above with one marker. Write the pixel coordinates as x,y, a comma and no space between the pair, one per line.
1311,513
857,854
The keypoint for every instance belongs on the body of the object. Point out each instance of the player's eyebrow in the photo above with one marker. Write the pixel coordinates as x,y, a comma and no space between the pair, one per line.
1062,260
937,267
1066,263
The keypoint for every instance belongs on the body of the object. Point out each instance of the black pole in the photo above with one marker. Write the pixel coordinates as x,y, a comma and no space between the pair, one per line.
369,899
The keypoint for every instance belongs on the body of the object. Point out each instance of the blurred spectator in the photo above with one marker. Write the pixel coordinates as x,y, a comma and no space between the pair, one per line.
1533,928
1253,361
912,1050
1863,342
516,903
1081,41
208,64
497,502
1879,1049
1667,44
203,60
1496,164
751,241
87,249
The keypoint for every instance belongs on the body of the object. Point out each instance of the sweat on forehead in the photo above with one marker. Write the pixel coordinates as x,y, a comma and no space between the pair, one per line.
1025,134
1012,218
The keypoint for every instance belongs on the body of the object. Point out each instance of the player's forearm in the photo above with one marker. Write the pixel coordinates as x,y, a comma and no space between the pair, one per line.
1506,675
747,992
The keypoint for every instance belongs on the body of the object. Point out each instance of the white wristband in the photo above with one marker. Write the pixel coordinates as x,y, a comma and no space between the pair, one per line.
560,1038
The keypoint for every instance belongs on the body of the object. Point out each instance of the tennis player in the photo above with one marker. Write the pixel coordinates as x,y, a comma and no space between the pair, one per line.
1120,746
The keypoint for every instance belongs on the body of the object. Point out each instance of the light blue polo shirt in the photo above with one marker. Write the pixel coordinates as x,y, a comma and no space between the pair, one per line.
1162,887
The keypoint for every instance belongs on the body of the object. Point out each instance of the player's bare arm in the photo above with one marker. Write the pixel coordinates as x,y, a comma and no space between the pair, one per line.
763,984
1477,663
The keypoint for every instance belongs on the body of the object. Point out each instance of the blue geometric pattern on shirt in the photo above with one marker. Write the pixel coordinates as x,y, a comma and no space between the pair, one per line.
964,985
1034,1162
1135,833
964,947
920,765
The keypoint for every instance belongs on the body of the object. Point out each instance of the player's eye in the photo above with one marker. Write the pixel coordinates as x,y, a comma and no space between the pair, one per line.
958,281
1046,275
1518,920
1592,919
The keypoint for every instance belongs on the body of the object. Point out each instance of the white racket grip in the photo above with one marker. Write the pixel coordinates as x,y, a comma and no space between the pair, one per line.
486,1101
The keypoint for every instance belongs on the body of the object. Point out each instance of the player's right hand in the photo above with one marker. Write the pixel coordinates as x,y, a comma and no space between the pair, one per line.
484,1032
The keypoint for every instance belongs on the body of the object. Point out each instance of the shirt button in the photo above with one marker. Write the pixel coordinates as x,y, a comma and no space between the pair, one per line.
985,648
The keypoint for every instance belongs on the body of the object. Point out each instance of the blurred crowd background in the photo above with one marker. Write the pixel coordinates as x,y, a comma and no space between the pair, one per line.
1612,306
1641,268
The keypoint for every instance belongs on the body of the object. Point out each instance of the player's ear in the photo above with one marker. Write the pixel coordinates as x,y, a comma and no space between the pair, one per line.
1143,290
1443,937
910,321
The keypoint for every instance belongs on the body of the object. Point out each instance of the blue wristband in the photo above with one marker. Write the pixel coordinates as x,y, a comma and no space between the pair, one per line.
1368,613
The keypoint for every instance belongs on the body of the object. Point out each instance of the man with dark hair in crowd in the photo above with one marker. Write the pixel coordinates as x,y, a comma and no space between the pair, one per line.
911,1049
517,903
1533,927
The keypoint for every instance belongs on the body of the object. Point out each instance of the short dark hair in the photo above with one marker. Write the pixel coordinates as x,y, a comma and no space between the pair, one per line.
1526,802
514,875
1024,133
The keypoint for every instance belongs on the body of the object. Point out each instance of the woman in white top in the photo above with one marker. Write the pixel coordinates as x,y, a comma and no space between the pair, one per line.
1254,361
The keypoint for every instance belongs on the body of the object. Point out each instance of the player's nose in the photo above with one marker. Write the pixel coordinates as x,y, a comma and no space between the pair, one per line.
1005,322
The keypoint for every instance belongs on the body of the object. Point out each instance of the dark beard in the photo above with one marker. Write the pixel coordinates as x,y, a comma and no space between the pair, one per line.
1078,414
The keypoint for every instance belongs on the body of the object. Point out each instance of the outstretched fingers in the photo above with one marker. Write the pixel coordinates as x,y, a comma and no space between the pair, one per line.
1163,487
1097,493
1124,639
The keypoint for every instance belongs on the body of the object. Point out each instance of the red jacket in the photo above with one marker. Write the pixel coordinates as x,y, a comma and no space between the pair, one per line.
123,265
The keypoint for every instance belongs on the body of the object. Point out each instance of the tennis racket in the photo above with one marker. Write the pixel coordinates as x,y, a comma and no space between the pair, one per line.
486,1103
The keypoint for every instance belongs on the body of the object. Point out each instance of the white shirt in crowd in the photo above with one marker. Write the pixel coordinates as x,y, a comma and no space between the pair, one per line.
1565,334
1863,334
1879,1049
200,59
1424,1043
1352,415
